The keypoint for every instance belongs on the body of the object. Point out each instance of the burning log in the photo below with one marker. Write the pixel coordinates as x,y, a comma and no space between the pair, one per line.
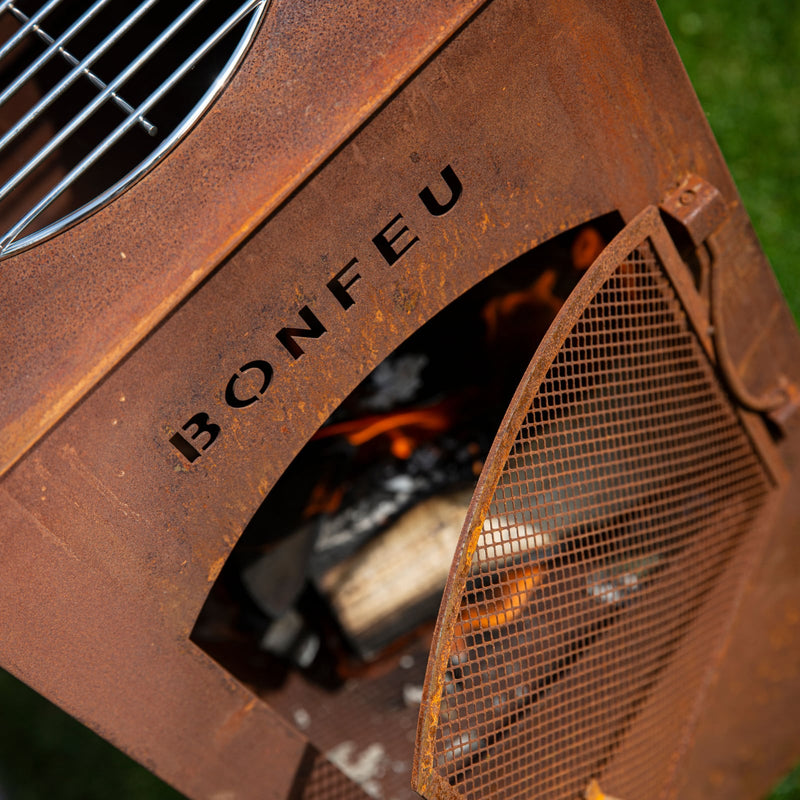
404,430
399,460
395,582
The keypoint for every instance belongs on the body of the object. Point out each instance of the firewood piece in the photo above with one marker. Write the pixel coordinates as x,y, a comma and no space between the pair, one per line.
395,581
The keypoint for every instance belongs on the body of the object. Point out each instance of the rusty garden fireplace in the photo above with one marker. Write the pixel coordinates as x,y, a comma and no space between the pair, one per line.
453,293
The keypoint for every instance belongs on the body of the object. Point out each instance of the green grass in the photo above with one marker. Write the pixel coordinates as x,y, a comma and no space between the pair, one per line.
744,61
44,753
789,787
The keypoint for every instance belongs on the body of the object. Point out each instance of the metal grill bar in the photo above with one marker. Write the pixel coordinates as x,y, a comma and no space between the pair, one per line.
57,91
89,109
33,68
27,27
56,46
118,132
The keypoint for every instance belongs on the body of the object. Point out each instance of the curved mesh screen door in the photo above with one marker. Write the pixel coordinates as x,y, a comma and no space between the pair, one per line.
600,564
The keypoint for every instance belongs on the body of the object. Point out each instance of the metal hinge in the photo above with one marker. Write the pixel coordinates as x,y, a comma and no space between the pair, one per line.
698,207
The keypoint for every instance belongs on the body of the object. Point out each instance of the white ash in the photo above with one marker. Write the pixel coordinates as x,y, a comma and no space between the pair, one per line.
365,768
302,718
282,633
396,380
412,695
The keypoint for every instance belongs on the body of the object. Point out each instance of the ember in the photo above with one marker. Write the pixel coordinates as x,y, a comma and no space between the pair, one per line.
402,428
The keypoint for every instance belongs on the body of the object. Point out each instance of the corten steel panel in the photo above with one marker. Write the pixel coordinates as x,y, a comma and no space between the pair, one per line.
747,736
548,114
314,74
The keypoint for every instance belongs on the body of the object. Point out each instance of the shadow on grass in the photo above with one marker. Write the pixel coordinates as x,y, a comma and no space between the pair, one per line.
44,753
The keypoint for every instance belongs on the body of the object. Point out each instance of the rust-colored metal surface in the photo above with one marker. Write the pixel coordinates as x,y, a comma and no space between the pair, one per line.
367,165
598,571
745,739
366,728
313,75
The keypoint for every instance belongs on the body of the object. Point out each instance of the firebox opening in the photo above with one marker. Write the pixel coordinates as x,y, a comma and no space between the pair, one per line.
327,604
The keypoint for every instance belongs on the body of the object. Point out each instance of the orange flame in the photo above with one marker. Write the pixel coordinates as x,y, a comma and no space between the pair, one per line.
514,594
587,246
394,425
323,500
537,296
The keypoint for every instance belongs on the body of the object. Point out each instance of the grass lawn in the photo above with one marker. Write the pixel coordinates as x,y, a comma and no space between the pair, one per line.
744,61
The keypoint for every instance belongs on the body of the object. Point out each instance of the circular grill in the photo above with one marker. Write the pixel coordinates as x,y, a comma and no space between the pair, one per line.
599,570
93,94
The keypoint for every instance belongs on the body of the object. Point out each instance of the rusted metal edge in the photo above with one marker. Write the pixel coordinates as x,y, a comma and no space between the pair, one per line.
698,207
424,778
697,316
17,437
773,399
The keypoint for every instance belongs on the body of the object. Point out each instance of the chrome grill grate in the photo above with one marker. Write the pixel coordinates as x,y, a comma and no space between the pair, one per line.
94,94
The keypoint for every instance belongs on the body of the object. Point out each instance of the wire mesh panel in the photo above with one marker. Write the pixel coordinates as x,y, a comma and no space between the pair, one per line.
601,561
323,780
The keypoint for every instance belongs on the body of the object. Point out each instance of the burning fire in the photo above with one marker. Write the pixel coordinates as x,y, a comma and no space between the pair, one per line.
538,297
404,429
323,499
510,598
587,246
542,297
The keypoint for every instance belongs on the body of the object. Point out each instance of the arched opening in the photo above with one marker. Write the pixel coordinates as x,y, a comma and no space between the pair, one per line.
327,605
